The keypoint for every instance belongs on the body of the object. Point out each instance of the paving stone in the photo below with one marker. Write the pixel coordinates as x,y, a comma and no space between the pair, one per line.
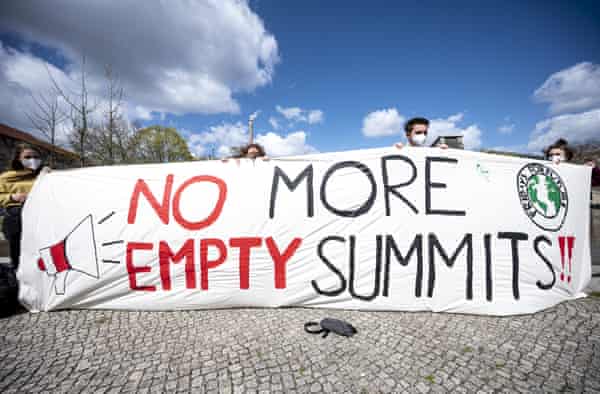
267,350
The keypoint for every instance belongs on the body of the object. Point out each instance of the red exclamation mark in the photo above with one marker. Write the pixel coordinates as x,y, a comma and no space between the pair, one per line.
561,244
570,244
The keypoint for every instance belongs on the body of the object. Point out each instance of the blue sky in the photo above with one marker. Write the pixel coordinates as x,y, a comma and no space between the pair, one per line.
344,74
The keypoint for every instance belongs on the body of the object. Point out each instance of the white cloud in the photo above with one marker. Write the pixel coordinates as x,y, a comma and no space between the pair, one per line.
274,123
315,116
289,145
254,115
142,113
218,139
384,122
506,128
449,126
221,138
22,75
575,128
574,98
297,114
456,118
180,57
290,113
574,89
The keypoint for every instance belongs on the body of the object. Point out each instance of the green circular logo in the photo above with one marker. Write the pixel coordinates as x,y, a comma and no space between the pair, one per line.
543,196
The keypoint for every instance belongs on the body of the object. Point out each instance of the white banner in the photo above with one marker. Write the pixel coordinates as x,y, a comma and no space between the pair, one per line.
381,229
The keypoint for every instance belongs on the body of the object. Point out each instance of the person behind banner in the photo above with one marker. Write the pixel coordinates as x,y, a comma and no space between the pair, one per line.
15,185
253,151
416,133
595,172
250,151
559,152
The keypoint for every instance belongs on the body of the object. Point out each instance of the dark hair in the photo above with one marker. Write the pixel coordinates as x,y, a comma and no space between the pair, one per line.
415,121
245,149
562,144
16,164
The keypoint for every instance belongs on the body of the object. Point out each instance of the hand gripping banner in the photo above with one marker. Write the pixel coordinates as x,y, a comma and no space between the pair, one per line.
383,229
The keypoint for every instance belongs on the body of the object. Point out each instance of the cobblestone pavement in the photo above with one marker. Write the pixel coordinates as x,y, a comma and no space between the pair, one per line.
267,350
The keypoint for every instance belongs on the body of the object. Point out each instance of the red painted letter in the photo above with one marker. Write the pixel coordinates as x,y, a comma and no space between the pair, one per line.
166,255
245,244
205,264
215,212
133,270
142,188
281,260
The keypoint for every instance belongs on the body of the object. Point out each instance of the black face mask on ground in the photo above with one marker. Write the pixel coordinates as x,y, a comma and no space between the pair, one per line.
328,325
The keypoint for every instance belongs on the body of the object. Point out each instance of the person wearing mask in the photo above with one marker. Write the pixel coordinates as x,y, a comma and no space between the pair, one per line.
559,152
15,185
416,133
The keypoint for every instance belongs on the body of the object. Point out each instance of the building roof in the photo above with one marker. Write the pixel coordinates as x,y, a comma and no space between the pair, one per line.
454,141
513,154
28,138
450,136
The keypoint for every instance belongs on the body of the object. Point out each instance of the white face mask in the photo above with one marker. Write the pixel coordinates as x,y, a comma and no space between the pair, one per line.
419,139
557,158
32,164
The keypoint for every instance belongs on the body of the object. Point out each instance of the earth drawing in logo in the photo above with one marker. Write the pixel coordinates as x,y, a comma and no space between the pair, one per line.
543,196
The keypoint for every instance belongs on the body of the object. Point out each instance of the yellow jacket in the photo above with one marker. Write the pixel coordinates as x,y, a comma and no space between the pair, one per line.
12,182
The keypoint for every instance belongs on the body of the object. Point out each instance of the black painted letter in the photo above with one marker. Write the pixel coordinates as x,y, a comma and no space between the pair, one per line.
536,247
514,239
390,245
363,208
333,268
292,185
430,185
434,243
351,289
387,188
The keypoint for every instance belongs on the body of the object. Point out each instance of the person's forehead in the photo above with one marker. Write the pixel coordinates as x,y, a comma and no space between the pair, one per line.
252,148
28,151
419,126
556,150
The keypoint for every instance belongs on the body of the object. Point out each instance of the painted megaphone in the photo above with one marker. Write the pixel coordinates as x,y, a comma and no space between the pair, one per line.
76,252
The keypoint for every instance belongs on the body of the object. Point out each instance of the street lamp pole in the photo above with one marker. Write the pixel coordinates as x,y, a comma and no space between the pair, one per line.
251,127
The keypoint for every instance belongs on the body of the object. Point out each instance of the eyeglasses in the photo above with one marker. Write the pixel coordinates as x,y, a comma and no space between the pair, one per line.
31,157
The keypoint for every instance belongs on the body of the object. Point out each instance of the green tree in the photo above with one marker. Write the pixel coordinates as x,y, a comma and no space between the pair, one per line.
158,144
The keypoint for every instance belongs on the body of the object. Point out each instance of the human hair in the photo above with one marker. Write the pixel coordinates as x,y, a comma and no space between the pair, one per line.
245,149
563,145
415,121
16,164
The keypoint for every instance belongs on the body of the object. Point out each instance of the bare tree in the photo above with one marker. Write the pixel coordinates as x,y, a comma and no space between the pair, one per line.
113,113
46,116
110,142
80,111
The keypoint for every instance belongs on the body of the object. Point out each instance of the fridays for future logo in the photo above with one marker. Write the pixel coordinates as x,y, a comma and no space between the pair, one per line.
543,196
